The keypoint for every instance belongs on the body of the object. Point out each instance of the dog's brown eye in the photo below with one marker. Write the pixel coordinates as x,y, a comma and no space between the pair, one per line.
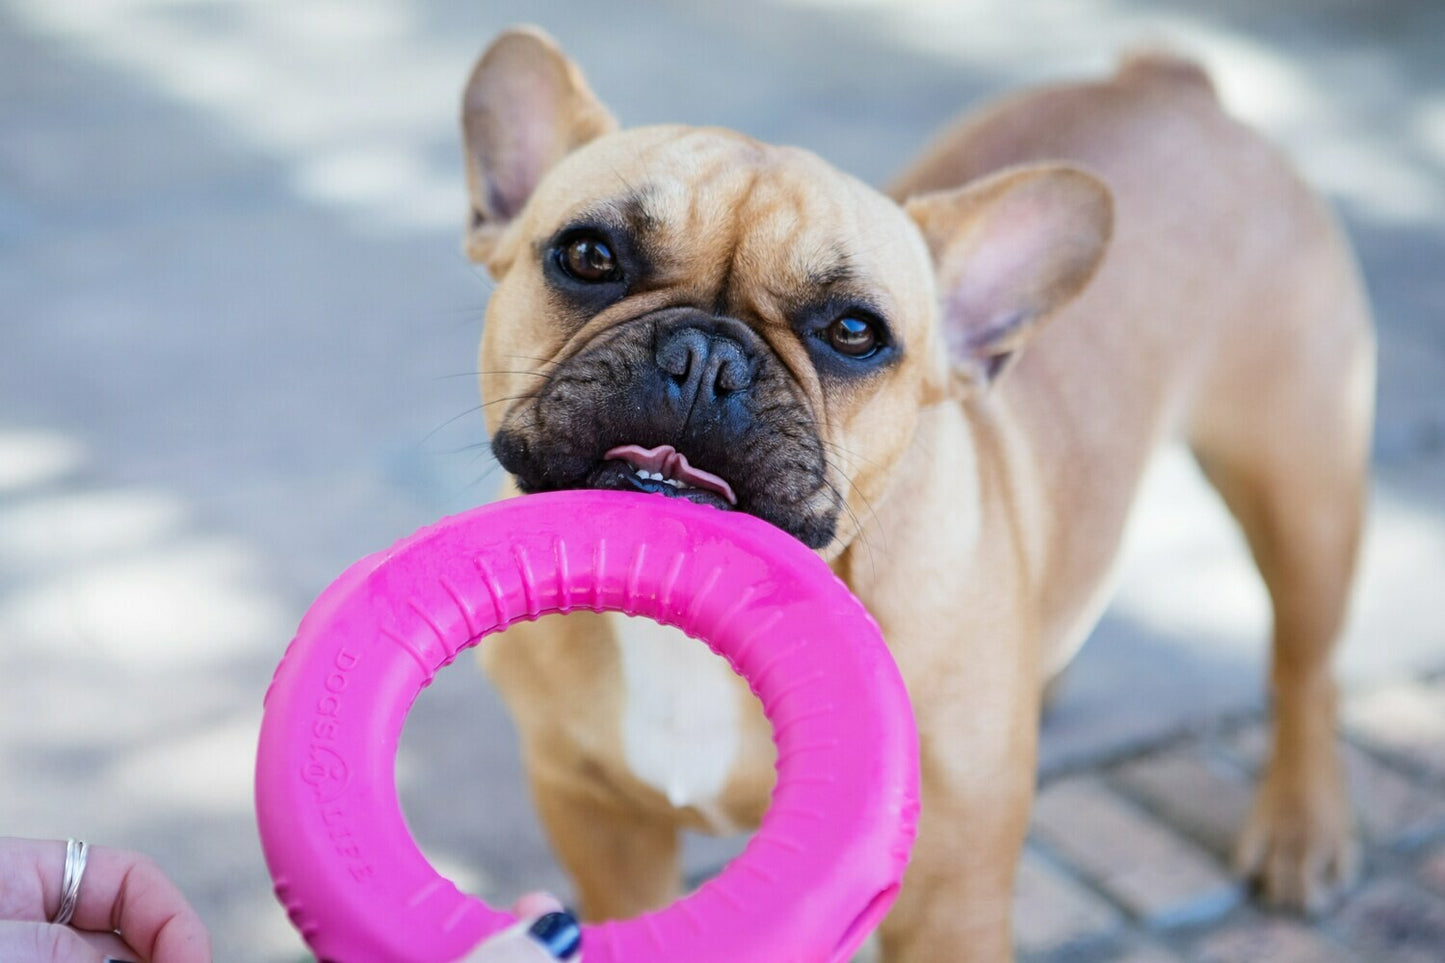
855,337
589,259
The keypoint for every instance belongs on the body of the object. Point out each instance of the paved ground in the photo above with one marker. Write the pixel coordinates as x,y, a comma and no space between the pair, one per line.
1126,860
236,343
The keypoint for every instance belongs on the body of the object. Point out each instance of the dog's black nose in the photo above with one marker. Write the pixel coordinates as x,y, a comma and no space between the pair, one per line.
705,360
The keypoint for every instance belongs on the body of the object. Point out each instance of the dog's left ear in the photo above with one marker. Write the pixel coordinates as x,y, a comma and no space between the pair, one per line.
525,107
1008,251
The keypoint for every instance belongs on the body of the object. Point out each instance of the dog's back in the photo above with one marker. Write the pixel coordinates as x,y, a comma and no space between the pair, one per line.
1225,270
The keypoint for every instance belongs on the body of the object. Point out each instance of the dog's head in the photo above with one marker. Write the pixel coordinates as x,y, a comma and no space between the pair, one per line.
690,312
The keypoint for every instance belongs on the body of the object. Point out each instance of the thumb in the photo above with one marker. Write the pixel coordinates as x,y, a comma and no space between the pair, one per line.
44,943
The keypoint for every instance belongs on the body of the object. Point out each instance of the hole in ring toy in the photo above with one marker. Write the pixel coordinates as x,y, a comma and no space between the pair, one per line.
823,867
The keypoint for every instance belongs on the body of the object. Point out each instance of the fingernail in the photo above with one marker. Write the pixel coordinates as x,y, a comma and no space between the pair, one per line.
559,933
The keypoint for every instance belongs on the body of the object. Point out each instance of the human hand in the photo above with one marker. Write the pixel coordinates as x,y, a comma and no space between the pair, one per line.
546,933
125,908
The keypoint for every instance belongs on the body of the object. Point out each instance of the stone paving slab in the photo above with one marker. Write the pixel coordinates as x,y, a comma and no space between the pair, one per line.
1157,875
1101,851
1053,911
1432,870
1192,792
1392,920
1391,807
1406,720
1275,941
1145,954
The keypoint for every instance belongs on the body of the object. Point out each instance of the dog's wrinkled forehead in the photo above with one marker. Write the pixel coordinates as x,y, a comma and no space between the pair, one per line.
752,227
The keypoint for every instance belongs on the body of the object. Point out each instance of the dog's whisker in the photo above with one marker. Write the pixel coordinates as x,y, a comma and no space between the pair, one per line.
477,482
861,532
449,422
470,411
477,446
523,374
491,469
849,454
489,374
543,364
860,538
504,400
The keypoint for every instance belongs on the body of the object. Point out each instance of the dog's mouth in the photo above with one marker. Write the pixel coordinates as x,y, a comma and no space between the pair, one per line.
664,471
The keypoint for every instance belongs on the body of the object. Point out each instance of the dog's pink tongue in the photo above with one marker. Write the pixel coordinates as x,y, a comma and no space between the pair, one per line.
672,463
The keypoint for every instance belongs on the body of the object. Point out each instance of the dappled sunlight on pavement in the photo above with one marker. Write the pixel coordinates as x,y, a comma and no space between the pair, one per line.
129,639
317,82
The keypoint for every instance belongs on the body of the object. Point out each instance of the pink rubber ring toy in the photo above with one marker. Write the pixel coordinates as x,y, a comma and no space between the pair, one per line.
823,867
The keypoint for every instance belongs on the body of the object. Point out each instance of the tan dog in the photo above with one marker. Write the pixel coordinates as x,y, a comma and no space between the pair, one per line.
873,375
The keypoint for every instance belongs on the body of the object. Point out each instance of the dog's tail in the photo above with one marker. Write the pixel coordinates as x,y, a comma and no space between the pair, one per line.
1156,65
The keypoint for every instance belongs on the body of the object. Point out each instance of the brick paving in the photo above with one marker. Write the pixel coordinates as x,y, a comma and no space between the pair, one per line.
1128,860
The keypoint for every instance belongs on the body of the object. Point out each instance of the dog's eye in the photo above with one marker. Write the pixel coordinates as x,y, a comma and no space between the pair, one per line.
589,259
856,337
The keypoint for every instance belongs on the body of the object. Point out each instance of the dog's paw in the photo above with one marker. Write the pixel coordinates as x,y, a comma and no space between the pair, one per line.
1299,846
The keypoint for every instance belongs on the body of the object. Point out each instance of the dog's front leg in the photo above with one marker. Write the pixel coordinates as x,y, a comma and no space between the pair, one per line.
978,754
622,860
969,656
943,571
562,679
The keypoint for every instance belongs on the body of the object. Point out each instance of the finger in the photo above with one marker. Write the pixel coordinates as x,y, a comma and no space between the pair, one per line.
533,905
119,890
127,892
554,936
111,946
31,942
30,871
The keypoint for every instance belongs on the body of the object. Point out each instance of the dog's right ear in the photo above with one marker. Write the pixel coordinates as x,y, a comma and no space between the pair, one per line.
525,107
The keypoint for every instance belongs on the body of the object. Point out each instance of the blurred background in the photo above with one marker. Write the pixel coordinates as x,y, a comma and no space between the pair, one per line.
237,343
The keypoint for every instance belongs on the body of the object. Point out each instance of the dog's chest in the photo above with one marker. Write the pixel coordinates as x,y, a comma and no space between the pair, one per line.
681,713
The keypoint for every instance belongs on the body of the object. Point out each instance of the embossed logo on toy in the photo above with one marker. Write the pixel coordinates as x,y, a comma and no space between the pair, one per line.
325,769
325,772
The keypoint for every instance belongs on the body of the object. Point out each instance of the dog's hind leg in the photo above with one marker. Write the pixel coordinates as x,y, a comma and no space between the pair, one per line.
1283,435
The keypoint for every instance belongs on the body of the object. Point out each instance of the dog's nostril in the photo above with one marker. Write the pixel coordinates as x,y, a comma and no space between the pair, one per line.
678,354
734,374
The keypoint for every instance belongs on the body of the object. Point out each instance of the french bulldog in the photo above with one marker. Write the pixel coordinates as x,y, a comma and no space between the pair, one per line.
950,390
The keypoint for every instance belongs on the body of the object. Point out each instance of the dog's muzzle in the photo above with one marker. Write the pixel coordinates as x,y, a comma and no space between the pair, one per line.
683,404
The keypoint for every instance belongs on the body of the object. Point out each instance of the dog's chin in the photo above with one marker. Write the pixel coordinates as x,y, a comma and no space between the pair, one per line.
620,476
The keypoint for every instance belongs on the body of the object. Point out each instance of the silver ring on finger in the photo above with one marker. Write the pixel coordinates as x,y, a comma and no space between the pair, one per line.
75,855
